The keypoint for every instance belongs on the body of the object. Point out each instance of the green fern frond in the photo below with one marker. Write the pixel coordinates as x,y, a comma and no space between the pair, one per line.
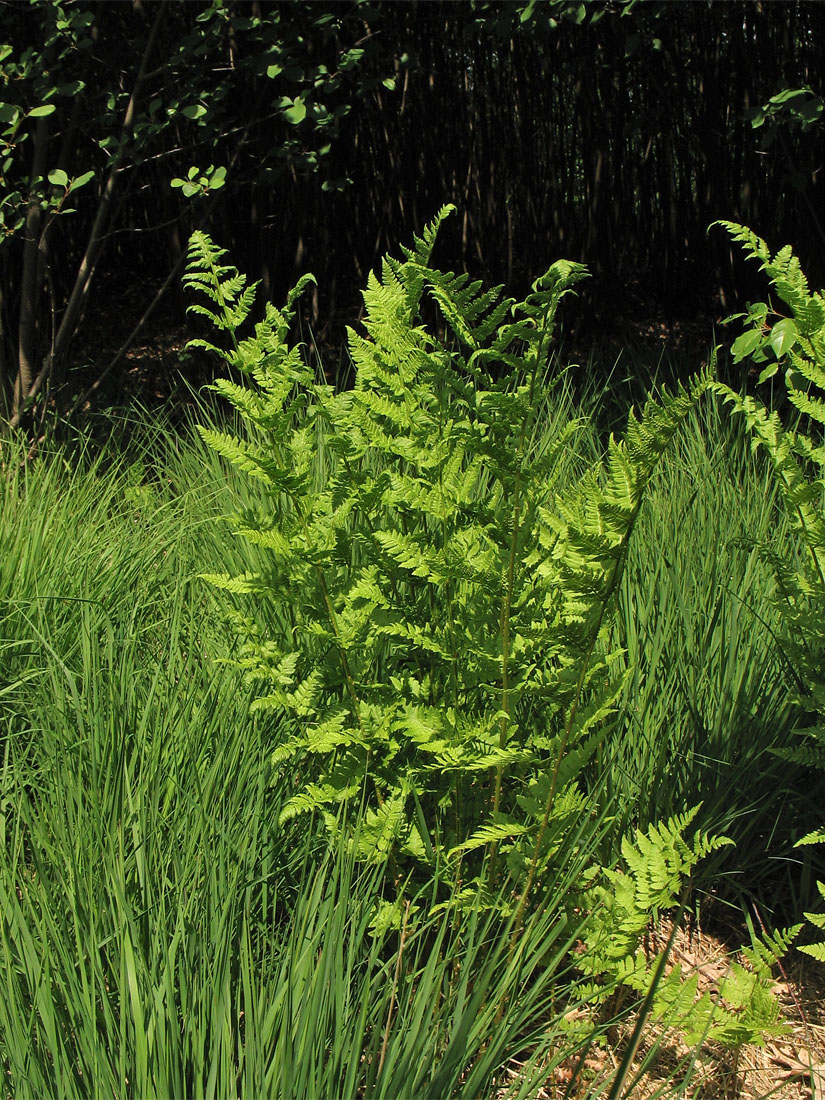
220,283
304,700
488,835
765,953
315,797
241,584
754,246
814,407
379,829
332,734
240,454
472,315
422,249
815,950
660,860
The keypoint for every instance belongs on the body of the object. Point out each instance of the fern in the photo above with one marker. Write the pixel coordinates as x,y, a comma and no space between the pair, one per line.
446,589
656,865
222,285
798,458
623,906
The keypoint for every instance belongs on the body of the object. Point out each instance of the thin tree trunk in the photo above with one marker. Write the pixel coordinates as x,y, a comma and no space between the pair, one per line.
86,271
29,290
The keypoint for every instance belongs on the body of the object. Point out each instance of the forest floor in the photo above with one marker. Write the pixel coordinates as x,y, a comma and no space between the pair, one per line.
789,1066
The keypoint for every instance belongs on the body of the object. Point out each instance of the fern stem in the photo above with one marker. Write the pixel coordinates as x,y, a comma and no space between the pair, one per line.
551,795
504,628
216,282
507,602
568,729
353,695
809,540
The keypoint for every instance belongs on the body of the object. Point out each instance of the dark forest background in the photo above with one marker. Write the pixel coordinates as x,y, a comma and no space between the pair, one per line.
611,133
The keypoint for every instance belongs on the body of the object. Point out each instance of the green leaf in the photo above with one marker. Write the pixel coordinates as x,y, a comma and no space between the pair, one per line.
746,344
194,111
811,112
58,178
80,181
350,59
784,335
296,113
788,95
43,111
754,115
72,88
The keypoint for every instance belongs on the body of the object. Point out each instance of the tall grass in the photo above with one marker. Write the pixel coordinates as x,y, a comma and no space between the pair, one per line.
161,936
708,697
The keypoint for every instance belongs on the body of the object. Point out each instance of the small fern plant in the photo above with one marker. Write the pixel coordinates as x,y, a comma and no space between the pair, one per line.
446,587
626,903
794,342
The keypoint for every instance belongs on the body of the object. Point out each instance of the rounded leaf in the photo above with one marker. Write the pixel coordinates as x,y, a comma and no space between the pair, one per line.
42,111
296,113
58,178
